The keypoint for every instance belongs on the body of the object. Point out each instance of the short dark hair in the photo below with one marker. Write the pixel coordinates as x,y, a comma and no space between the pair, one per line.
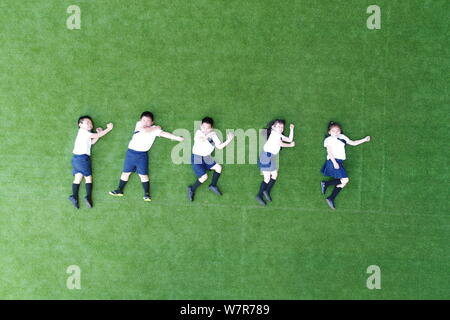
208,120
272,123
147,114
81,119
332,124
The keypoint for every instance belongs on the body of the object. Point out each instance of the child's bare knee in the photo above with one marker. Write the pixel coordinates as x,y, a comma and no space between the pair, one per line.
203,178
344,182
125,176
218,168
77,178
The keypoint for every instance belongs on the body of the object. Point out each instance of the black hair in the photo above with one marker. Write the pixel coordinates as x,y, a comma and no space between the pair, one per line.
81,119
147,114
208,120
270,124
332,124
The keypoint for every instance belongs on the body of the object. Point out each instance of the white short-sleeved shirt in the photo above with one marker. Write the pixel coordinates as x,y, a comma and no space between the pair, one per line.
83,142
273,144
204,144
337,146
142,141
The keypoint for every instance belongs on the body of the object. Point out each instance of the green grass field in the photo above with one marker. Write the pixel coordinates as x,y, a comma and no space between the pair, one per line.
243,63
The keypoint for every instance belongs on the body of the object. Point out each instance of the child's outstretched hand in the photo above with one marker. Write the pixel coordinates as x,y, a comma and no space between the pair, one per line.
109,126
291,126
181,139
230,135
367,139
293,144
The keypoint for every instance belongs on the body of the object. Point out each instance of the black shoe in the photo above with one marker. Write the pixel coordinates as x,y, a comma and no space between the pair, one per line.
190,194
267,196
88,202
116,193
74,202
260,200
215,190
147,198
323,187
330,203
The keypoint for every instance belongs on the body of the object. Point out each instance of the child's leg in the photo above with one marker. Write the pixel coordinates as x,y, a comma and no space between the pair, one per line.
325,184
264,183
217,171
88,181
145,184
273,179
263,187
344,182
123,181
76,184
88,198
338,188
267,176
129,166
199,181
332,182
125,176
195,185
200,167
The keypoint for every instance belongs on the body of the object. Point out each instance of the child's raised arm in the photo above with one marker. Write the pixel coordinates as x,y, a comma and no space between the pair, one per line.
288,145
171,136
291,135
220,146
100,133
357,142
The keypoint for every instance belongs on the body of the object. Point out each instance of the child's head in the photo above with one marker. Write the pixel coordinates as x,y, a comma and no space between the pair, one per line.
207,124
85,122
276,125
147,118
334,129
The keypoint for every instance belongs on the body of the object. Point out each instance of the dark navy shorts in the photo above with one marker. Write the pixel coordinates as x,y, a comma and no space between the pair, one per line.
81,164
267,161
201,164
136,161
329,170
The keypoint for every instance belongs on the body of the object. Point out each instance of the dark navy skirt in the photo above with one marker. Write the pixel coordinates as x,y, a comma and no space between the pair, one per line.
329,170
267,162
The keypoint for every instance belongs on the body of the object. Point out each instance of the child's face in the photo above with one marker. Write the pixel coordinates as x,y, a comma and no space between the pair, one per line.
206,127
146,121
278,127
334,131
86,124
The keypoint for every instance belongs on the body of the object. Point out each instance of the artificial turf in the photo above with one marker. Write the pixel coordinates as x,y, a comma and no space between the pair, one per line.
242,63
